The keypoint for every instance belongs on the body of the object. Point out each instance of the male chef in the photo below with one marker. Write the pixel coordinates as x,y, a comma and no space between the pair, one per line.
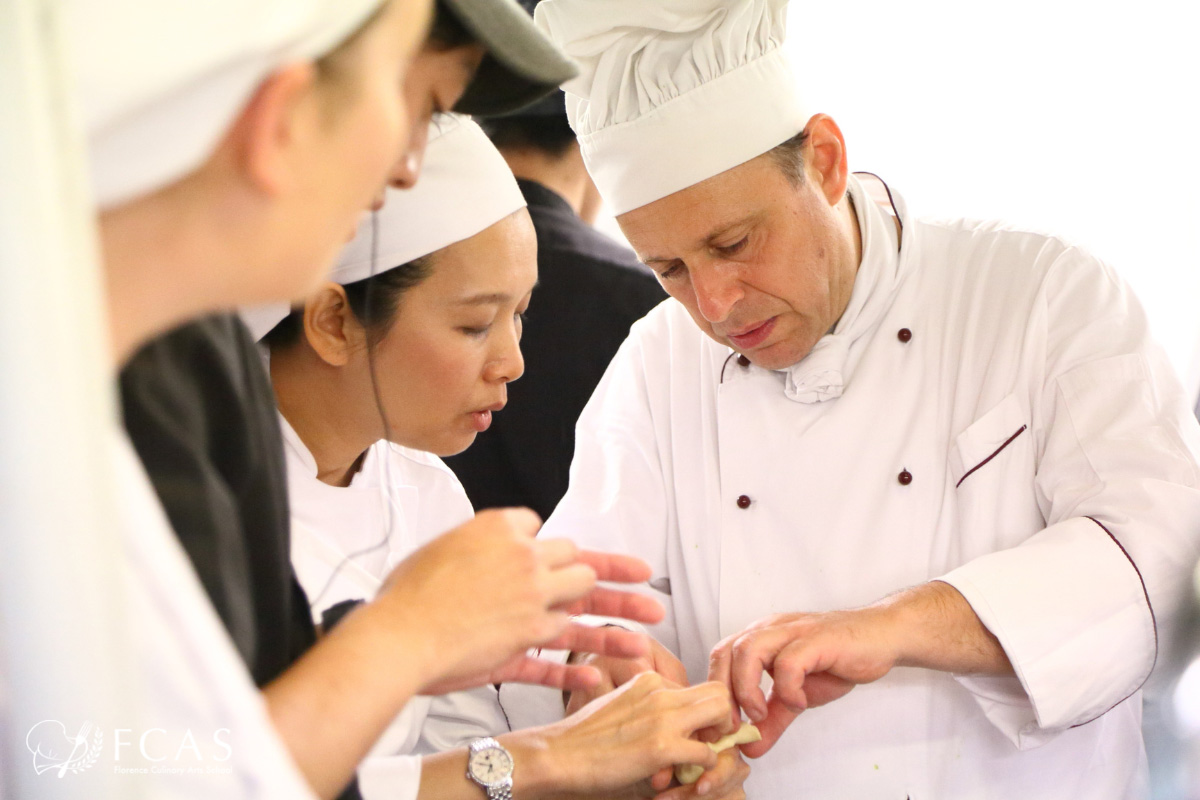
932,477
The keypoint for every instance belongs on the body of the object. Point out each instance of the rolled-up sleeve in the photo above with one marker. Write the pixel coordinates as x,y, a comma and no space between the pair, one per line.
1070,611
1081,606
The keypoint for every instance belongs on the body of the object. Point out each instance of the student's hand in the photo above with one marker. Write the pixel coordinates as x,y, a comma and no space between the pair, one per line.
531,668
615,672
467,606
642,729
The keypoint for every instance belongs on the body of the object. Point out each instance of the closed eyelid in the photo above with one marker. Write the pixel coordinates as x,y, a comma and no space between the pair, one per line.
670,269
732,237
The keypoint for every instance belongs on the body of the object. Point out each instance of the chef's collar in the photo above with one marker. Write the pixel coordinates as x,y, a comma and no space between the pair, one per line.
330,522
364,478
820,375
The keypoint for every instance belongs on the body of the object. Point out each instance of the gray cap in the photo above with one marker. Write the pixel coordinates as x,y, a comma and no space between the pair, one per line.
521,66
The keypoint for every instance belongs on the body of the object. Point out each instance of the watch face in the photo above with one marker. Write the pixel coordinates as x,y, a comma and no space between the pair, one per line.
490,765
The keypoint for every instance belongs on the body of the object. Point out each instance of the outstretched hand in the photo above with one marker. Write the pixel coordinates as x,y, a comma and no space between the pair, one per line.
474,600
530,668
607,602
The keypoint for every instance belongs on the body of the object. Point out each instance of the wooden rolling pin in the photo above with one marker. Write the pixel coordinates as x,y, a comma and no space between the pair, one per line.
690,773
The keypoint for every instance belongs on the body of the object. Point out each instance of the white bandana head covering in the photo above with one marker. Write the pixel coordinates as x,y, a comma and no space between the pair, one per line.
673,92
161,82
464,188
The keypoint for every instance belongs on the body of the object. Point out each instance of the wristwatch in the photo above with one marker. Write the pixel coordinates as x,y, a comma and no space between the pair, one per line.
491,766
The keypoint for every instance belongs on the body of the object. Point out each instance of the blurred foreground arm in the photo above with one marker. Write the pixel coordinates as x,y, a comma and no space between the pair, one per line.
459,612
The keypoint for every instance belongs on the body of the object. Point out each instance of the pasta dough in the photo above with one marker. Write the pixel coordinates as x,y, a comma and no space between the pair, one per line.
690,773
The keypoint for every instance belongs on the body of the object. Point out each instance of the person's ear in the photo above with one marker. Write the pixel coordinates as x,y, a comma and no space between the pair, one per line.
277,119
825,158
589,207
330,327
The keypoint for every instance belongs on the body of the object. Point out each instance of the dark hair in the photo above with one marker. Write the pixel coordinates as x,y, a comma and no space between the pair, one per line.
789,156
373,301
551,134
445,33
448,31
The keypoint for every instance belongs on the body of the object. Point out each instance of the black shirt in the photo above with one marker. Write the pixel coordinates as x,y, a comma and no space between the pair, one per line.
590,290
199,408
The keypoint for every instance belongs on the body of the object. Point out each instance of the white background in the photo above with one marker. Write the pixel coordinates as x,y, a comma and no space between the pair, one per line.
1070,117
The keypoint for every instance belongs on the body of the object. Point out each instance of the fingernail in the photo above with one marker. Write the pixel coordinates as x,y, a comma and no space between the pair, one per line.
702,787
756,715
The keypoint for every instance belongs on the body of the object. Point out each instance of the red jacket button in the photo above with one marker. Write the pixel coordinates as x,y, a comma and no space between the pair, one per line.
743,361
905,478
743,502
904,335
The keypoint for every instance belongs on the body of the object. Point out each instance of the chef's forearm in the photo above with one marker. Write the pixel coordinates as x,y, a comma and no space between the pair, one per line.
934,627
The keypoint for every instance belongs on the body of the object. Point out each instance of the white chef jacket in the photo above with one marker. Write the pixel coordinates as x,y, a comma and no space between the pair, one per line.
1049,466
424,500
190,677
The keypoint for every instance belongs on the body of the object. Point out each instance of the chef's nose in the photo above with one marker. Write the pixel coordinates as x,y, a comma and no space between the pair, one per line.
717,289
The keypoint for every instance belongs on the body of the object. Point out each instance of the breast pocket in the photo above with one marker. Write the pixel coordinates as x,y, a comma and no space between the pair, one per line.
993,467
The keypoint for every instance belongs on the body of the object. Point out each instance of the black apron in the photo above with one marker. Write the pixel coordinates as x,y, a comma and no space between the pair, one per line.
200,410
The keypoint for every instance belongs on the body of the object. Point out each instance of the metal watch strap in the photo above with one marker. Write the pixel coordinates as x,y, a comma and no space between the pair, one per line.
500,791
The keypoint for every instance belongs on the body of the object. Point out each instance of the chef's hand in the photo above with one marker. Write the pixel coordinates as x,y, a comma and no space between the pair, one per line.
615,672
645,727
470,603
815,659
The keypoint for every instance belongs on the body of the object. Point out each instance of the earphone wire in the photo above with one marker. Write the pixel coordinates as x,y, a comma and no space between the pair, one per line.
385,482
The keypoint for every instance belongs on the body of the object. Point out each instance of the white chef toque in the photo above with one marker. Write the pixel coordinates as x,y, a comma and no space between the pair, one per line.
465,187
672,92
160,82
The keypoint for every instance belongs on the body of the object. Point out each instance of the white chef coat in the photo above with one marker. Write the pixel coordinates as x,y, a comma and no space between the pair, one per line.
5,714
424,500
190,677
1051,476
